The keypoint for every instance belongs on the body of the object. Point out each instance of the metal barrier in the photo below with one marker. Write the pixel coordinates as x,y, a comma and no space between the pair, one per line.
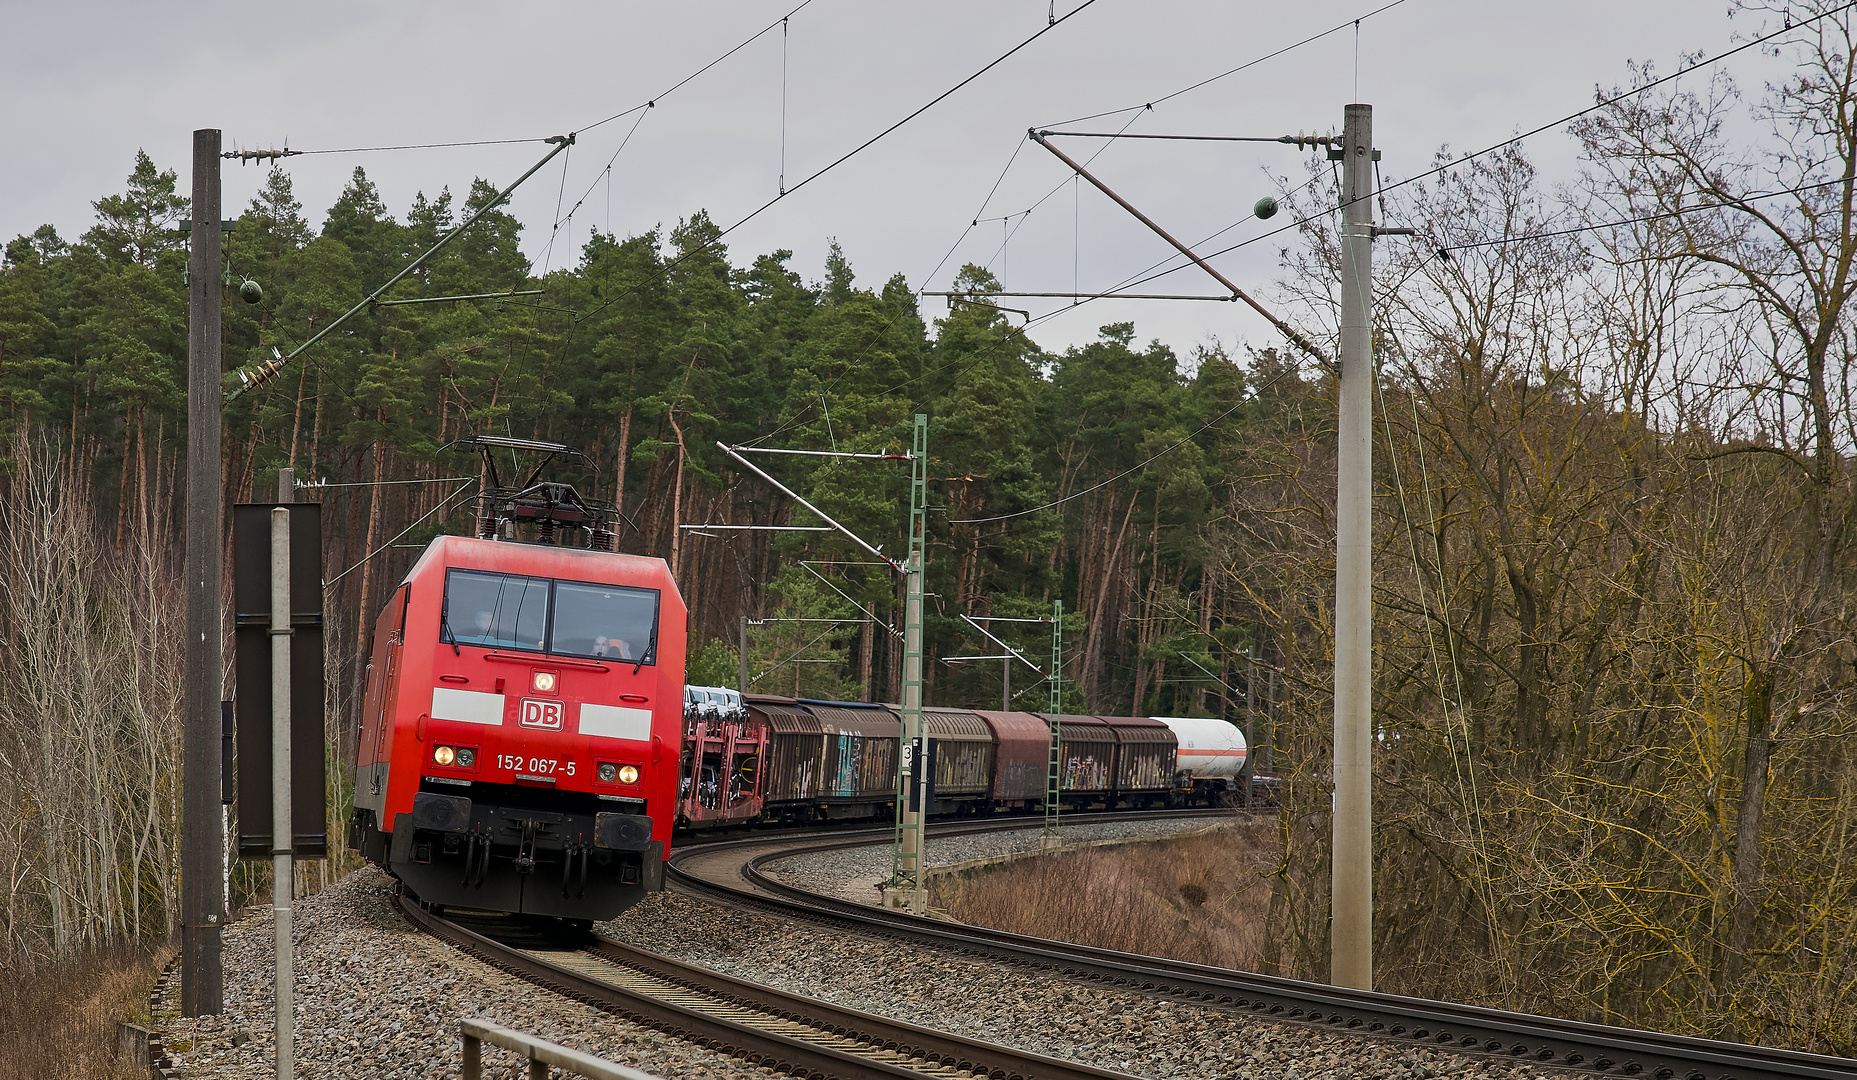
540,1054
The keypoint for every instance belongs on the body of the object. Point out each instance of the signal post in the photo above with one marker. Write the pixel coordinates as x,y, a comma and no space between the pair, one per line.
203,841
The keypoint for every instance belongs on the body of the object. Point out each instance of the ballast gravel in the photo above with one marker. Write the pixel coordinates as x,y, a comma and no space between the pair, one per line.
375,998
1110,1029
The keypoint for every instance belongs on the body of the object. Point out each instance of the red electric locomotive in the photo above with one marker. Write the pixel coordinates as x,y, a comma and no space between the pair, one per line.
520,734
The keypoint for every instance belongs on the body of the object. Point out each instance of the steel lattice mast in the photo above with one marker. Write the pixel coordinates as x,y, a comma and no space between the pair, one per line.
1054,766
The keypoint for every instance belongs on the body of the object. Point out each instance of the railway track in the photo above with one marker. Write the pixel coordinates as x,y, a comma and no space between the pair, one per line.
787,1033
731,871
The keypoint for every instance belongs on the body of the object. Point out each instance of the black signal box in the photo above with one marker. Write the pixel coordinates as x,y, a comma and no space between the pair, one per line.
251,604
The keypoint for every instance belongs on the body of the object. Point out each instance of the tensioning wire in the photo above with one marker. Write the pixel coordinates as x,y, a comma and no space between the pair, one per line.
443,500
606,174
1354,22
977,219
416,146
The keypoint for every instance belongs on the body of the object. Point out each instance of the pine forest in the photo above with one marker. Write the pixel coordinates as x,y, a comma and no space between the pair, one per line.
1615,526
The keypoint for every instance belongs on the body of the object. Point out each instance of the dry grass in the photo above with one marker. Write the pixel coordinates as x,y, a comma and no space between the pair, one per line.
58,1020
1199,898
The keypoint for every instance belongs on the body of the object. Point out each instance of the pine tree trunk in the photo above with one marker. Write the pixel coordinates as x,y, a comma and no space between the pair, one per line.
1094,638
122,486
677,498
367,574
625,446
316,429
296,422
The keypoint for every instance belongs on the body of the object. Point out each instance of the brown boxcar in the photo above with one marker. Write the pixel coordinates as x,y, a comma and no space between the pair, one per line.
1144,761
1086,754
1021,755
795,750
860,755
963,755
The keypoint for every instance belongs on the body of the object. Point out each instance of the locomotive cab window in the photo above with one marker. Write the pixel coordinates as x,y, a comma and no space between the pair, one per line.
570,618
497,610
607,622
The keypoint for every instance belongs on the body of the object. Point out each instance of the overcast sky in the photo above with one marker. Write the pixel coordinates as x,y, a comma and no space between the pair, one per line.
87,83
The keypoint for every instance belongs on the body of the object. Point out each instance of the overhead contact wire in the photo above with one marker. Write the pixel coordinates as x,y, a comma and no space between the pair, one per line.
687,79
1380,190
1643,219
645,108
1568,119
865,145
548,253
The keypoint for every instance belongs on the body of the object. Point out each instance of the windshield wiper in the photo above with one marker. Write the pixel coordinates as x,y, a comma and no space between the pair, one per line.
650,653
444,626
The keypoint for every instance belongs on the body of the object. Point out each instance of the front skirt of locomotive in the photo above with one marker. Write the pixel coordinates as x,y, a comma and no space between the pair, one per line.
462,852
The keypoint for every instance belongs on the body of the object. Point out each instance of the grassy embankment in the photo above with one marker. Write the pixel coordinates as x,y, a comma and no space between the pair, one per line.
58,1019
1199,898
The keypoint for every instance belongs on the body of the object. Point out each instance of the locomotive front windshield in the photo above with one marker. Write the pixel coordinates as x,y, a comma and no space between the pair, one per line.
605,621
572,618
500,610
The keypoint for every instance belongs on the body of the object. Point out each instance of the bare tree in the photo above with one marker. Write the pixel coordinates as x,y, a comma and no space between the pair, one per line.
1771,230
89,719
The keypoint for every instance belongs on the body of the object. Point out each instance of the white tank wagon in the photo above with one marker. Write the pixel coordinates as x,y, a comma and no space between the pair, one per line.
1209,760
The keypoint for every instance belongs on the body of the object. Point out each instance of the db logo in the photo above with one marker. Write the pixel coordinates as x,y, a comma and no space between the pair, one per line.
539,713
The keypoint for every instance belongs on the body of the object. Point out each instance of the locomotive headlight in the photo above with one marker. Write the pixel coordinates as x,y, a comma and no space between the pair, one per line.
466,756
544,682
443,755
608,772
628,774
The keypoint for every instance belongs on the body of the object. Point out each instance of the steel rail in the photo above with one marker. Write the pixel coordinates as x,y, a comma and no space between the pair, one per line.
949,1051
1519,1037
784,1032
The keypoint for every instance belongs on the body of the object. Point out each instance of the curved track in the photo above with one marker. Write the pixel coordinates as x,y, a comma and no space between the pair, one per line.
730,871
787,1033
